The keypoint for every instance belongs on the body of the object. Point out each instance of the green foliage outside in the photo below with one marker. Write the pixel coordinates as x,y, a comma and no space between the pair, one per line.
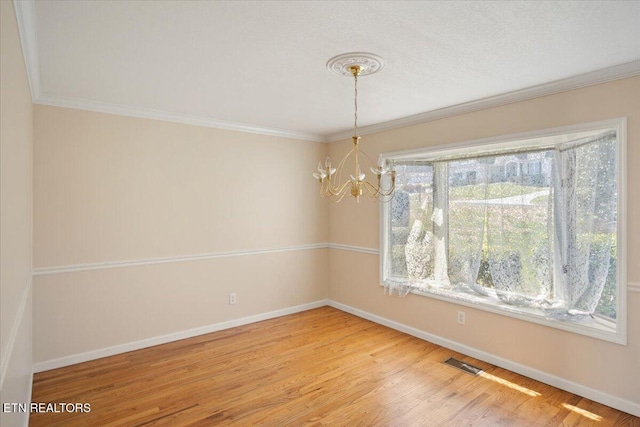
608,303
495,190
520,231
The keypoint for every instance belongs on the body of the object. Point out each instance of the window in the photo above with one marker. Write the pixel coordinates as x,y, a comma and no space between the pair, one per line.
534,168
527,226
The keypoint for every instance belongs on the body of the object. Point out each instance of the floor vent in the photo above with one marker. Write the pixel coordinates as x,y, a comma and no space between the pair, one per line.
459,364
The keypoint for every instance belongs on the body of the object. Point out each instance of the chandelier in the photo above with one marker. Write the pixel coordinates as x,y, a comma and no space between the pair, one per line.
332,186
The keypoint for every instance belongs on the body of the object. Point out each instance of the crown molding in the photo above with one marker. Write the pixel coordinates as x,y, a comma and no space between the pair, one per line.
27,28
146,113
26,19
617,72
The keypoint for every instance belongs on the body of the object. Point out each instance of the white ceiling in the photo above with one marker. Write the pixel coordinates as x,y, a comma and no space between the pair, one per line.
260,65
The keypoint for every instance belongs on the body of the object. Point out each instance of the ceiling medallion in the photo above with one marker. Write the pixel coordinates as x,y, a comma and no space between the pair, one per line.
368,63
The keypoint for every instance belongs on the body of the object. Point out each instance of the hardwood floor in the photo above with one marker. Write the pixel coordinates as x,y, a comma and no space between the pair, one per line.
319,367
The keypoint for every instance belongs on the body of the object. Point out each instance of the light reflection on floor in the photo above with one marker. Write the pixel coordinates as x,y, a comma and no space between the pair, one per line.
582,412
532,393
509,384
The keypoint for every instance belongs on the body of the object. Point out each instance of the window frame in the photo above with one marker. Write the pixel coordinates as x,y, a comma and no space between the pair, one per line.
599,328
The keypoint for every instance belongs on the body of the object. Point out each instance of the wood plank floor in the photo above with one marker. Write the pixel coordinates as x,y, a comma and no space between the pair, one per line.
319,367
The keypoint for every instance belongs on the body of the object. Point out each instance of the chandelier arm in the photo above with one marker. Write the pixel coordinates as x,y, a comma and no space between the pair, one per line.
390,190
341,166
375,194
337,196
341,190
388,193
327,185
380,195
356,164
372,191
371,162
332,193
379,190
382,198
323,192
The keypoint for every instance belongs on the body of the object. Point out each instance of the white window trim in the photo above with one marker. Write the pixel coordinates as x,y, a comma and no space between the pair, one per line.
598,329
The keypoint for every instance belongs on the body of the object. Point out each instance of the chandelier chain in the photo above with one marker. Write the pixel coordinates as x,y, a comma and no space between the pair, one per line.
355,114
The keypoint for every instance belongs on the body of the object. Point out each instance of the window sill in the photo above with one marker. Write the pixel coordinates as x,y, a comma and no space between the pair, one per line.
596,327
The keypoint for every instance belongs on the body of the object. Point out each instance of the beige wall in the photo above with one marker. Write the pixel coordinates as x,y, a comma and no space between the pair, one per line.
16,144
354,280
110,189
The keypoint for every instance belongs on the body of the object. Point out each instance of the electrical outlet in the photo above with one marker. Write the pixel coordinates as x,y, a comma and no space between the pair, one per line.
462,318
232,298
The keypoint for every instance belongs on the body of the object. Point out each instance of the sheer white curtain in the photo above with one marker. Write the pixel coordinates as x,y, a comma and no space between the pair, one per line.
501,227
426,247
527,228
520,232
590,195
412,225
467,222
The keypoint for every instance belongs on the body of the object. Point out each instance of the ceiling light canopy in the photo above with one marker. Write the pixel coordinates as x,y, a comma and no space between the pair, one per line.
332,186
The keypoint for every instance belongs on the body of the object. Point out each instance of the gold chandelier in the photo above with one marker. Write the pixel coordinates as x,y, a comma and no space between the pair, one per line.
332,186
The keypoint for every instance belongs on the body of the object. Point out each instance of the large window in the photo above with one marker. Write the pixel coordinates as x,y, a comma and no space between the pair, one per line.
529,226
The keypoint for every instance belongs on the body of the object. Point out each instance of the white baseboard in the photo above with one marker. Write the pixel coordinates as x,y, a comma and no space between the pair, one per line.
561,383
163,339
30,390
13,334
